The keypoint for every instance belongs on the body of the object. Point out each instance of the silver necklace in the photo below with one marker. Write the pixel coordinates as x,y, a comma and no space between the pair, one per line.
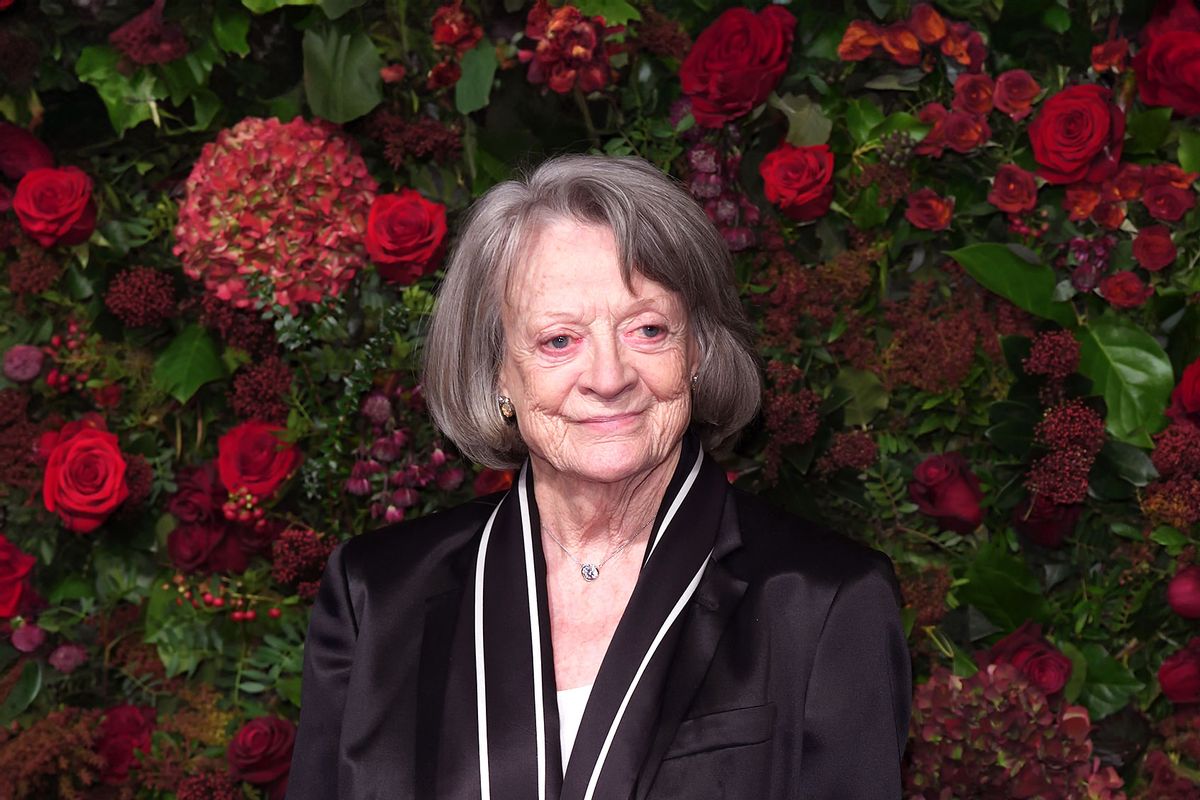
591,571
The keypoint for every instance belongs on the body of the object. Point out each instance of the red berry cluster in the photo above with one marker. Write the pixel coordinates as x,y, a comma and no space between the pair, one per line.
65,350
221,597
1054,354
242,506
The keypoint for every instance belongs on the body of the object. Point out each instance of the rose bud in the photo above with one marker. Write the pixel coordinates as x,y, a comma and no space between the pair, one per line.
943,487
1183,592
1179,674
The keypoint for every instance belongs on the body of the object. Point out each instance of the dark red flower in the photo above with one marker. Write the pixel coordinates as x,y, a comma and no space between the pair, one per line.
571,50
84,480
455,28
1168,202
21,151
860,40
405,235
1125,289
1168,64
261,753
1037,659
141,297
933,115
125,729
736,62
799,179
148,39
928,210
15,567
492,480
964,45
1013,190
199,495
252,456
1183,592
1185,398
1153,248
901,44
973,93
54,205
1179,674
943,487
1045,522
929,26
963,132
1110,56
445,73
1078,135
1015,92
1054,353
189,546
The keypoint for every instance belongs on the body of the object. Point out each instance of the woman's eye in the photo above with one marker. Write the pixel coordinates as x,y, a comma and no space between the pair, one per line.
559,342
651,331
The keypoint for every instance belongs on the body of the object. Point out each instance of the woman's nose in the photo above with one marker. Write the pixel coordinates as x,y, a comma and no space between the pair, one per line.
609,372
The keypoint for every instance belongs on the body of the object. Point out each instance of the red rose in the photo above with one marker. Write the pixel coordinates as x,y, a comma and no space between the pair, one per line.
1110,56
859,41
799,179
1183,592
1185,398
1153,248
492,480
973,93
929,26
84,480
1169,202
1037,659
21,151
190,546
1045,522
943,487
125,728
199,495
1080,201
1110,215
736,62
1077,135
964,45
261,753
964,132
15,567
1179,674
1168,64
1125,289
929,211
934,115
1014,93
252,456
54,205
455,28
444,73
901,44
405,235
1013,190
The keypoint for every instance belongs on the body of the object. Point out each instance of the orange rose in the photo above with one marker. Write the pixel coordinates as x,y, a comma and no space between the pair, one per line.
902,44
859,41
927,24
929,211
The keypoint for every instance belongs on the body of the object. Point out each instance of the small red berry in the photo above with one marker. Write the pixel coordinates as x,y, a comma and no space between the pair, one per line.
219,602
236,616
250,615
275,613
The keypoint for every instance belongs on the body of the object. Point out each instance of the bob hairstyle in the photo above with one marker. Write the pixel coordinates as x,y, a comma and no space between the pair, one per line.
660,232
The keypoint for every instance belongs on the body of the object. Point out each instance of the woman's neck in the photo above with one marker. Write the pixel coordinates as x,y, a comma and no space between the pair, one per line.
589,517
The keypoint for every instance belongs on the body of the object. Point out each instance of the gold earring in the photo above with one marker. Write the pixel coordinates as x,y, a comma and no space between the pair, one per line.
506,407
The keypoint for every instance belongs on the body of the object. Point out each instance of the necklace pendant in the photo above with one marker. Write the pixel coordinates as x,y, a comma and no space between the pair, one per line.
589,572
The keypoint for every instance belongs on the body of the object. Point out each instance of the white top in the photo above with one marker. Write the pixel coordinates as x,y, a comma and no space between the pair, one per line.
571,703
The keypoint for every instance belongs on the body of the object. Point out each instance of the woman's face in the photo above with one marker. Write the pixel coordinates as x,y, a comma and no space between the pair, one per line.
599,373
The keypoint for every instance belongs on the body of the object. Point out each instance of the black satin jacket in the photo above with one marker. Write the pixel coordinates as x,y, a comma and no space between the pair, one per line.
784,675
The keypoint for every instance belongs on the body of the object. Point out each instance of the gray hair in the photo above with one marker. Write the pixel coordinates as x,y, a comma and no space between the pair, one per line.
660,232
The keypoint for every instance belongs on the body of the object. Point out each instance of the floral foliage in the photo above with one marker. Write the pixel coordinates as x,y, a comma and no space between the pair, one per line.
966,233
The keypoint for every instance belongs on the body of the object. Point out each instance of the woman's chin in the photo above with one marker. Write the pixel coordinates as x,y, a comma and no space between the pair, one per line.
608,461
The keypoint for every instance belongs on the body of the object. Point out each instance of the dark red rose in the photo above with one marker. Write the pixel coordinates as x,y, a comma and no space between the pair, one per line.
261,753
125,728
964,132
1110,215
928,210
405,235
1080,201
148,38
943,487
21,151
1125,289
84,479
1168,64
1078,135
1015,92
1037,659
929,26
444,73
54,205
1110,56
859,41
799,179
252,456
199,495
1045,522
15,567
964,45
1179,674
901,44
1153,248
492,480
1168,202
933,115
1185,398
973,93
455,28
6,198
736,62
1013,190
190,546
1183,592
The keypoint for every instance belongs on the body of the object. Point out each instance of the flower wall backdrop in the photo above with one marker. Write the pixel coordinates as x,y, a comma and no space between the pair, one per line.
967,232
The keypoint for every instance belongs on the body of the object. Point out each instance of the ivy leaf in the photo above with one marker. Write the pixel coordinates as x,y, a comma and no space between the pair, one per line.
341,74
1133,374
188,363
474,89
614,12
862,116
807,123
130,100
867,395
1028,285
1001,586
230,26
1109,684
22,695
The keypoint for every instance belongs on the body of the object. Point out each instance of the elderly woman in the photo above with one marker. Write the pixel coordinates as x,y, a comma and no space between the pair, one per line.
622,623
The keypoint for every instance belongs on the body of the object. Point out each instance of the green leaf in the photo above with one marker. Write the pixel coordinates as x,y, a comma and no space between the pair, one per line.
1079,671
1109,684
1001,586
901,81
1171,538
1147,130
230,26
22,695
862,116
474,89
1189,150
614,12
341,74
129,100
1130,463
188,363
1057,19
1012,426
807,123
71,587
1133,374
336,8
1030,286
266,6
901,121
867,395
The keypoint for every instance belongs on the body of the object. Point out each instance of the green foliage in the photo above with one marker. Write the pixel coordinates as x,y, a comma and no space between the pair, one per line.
189,362
1029,285
473,91
341,74
1000,585
1130,370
